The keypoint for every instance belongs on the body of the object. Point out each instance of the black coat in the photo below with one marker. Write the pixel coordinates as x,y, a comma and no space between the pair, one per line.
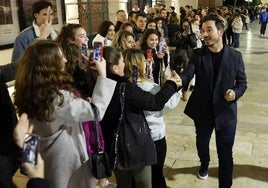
9,151
38,183
8,119
137,100
172,30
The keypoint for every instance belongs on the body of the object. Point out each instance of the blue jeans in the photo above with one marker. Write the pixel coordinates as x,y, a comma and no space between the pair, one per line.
236,40
224,143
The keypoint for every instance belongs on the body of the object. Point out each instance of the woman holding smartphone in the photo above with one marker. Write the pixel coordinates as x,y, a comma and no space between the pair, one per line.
45,91
151,41
73,41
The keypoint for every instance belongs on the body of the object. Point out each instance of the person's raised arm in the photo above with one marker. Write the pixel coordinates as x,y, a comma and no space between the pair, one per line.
46,28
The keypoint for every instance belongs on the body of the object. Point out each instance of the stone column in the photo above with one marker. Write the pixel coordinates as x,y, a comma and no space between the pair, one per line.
114,6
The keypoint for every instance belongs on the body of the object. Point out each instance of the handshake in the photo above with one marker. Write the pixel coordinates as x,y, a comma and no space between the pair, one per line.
174,77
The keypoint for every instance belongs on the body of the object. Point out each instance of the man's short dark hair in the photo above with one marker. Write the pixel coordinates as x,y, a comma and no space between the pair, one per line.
141,14
172,8
121,10
212,17
187,6
39,5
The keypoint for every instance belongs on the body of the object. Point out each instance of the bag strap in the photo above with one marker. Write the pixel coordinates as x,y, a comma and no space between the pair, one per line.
96,128
122,89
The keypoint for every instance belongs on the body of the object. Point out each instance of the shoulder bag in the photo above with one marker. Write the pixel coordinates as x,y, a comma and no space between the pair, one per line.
133,145
99,160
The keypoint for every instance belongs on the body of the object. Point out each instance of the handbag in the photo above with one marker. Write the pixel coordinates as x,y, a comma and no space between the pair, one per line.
99,160
133,146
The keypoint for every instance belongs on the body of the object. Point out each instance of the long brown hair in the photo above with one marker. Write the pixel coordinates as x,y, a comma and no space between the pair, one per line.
71,51
38,80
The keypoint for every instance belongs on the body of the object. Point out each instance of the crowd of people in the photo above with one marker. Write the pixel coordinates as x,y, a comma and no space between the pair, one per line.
158,54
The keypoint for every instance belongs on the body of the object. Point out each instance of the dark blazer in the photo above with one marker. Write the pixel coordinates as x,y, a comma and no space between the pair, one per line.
207,103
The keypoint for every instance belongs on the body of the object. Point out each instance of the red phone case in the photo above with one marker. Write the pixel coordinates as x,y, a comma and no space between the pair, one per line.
97,51
149,55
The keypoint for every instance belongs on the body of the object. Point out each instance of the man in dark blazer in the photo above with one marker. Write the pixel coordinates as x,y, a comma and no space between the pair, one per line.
220,82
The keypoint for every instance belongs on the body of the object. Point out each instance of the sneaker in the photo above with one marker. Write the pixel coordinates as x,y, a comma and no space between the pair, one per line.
203,173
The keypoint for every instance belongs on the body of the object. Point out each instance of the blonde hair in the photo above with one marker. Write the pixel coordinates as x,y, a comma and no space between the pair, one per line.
134,58
119,40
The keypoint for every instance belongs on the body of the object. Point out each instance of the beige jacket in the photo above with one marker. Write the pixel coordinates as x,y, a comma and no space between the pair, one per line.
237,25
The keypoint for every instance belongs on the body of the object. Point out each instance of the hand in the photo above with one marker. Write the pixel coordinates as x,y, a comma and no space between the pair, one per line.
176,78
35,171
21,128
166,49
160,54
100,66
229,95
46,28
184,33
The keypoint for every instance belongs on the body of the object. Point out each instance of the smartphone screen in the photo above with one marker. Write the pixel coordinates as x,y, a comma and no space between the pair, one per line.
30,150
84,51
162,46
97,51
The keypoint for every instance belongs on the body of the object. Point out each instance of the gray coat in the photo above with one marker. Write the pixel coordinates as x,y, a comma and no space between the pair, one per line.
63,145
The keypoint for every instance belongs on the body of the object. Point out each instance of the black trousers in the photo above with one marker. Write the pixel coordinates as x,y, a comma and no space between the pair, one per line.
158,179
8,167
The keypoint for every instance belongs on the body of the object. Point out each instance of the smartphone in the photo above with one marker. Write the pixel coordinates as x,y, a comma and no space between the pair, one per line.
29,150
162,46
97,51
149,55
84,51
